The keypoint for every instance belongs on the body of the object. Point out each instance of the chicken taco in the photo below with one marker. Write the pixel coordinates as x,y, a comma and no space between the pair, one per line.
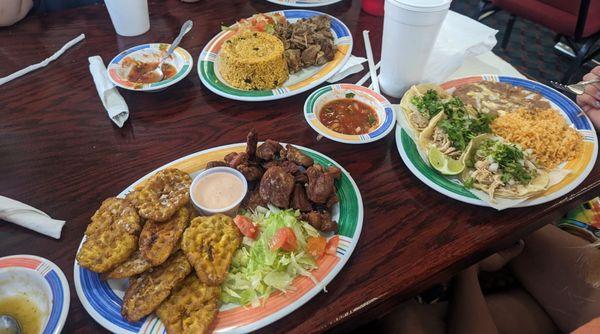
452,129
421,103
502,169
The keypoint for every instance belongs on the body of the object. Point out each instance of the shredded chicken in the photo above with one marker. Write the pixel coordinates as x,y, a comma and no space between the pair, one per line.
443,143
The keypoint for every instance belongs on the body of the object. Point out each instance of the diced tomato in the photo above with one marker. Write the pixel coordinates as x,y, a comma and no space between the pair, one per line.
246,226
316,246
285,239
332,245
260,26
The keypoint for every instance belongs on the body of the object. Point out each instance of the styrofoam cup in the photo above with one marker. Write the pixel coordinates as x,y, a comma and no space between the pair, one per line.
410,28
129,17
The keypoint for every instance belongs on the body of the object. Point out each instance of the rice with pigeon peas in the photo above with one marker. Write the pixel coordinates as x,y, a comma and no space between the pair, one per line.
545,131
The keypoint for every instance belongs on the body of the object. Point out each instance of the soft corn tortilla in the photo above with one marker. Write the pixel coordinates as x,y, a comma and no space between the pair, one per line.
408,108
537,186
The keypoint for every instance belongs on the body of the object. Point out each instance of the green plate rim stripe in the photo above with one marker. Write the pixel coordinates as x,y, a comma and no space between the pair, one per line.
413,154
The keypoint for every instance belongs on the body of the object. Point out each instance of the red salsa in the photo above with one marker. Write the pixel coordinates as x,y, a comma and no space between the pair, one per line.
141,72
348,116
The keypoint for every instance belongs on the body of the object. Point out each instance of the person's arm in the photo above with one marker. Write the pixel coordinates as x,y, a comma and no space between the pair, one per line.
468,309
590,101
12,11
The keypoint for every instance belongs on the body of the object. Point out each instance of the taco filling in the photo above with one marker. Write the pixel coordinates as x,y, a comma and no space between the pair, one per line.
454,127
428,105
503,168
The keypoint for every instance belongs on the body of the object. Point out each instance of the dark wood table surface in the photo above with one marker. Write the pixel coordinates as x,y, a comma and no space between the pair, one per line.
60,153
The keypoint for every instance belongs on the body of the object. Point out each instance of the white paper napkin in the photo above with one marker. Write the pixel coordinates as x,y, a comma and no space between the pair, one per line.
353,65
29,217
113,102
43,63
460,37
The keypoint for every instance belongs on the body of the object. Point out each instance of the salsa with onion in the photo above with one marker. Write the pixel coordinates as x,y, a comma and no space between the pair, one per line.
348,116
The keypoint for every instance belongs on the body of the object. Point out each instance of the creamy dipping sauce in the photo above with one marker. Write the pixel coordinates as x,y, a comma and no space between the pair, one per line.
218,190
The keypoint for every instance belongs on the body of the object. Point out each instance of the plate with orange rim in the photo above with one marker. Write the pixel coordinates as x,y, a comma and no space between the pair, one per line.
579,168
180,60
103,299
297,83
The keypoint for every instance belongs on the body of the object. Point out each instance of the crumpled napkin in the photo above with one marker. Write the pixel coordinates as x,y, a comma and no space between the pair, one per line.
353,65
29,217
45,62
459,37
113,102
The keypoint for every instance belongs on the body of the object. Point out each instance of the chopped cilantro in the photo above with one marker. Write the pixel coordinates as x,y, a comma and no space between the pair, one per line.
430,104
372,120
509,158
469,182
349,95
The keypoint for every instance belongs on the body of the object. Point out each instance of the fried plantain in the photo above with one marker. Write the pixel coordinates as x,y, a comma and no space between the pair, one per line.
135,265
111,237
209,244
191,307
146,292
162,194
158,240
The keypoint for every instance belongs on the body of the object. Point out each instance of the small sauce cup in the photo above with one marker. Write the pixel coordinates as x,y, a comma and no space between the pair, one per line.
216,184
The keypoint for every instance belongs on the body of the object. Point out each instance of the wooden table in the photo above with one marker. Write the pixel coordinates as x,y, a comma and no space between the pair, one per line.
60,153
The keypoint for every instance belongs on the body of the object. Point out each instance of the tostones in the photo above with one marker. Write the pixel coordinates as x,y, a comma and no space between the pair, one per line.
111,237
135,265
147,291
158,240
209,244
191,307
162,194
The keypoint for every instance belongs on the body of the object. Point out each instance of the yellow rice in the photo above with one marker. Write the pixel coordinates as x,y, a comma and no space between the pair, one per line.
543,131
253,61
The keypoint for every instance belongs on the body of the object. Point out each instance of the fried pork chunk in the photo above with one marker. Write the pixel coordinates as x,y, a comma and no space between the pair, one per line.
111,237
191,308
146,292
276,186
162,195
209,244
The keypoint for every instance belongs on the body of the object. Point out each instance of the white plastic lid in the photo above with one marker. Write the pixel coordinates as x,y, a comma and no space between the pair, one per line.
421,5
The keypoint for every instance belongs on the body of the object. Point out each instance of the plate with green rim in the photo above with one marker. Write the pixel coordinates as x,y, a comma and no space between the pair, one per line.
579,168
306,79
102,299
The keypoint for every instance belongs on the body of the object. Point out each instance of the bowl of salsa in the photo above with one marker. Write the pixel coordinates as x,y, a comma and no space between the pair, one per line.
349,114
133,69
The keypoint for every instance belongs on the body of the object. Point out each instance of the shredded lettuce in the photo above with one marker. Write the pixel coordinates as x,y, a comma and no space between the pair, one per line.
256,271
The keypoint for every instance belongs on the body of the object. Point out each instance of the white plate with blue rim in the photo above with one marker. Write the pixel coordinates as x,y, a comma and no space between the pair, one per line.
386,118
180,60
42,283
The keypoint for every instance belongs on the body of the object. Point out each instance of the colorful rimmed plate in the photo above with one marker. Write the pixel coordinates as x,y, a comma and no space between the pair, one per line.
103,299
316,100
297,83
180,58
580,167
43,282
304,3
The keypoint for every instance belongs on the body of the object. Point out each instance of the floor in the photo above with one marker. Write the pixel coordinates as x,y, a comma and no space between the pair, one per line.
531,47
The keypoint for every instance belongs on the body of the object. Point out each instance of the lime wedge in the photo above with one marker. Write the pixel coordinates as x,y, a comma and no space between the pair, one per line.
444,164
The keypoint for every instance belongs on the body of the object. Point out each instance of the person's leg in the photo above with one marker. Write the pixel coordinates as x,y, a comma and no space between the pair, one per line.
414,318
517,312
550,270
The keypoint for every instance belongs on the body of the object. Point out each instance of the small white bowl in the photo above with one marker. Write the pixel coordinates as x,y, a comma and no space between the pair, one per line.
42,282
230,210
180,59
323,95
